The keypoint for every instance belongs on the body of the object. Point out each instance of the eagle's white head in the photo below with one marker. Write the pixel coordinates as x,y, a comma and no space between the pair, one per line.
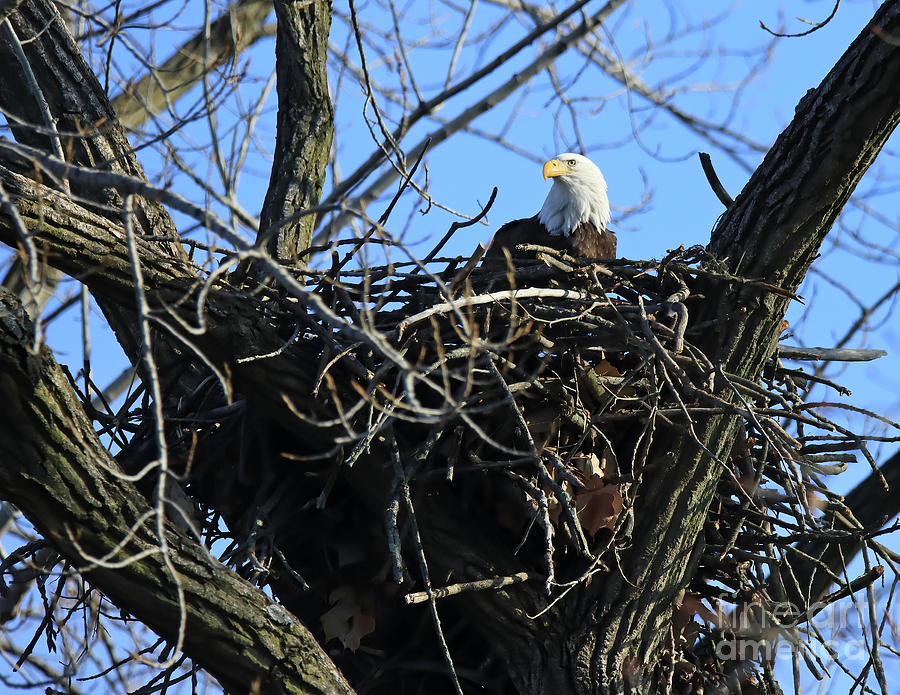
578,194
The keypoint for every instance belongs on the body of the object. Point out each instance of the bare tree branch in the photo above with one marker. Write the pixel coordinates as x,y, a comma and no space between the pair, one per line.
239,27
496,95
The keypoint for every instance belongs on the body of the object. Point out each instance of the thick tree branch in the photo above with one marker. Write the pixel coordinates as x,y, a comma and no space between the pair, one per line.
812,169
85,124
305,127
79,108
615,624
772,232
91,247
54,469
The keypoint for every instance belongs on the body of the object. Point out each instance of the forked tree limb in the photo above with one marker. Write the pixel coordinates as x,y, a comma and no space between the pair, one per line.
82,242
771,233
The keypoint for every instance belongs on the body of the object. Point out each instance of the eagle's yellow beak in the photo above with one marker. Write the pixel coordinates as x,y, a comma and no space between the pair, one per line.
554,168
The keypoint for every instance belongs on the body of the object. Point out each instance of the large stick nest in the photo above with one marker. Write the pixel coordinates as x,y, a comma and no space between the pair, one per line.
535,391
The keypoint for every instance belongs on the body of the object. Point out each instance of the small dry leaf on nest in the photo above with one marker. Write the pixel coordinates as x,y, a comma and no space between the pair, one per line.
598,504
606,368
591,464
345,619
683,623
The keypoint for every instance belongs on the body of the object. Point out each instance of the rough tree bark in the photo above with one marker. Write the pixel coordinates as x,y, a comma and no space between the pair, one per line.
772,232
605,637
87,131
65,111
61,477
305,128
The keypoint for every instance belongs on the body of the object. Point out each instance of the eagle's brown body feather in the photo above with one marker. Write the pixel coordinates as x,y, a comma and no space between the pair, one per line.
585,240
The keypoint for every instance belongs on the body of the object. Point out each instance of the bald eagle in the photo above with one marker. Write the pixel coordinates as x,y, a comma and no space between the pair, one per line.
574,217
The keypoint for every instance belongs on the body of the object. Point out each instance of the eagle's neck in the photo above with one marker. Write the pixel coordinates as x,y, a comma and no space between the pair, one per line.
572,201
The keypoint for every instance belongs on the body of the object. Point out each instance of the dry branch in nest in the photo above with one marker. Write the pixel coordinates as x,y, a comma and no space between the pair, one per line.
533,395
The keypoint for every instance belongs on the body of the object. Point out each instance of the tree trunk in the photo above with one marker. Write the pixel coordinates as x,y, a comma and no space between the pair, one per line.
305,129
772,232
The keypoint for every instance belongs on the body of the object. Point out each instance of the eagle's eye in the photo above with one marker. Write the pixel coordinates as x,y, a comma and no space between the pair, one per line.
571,162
